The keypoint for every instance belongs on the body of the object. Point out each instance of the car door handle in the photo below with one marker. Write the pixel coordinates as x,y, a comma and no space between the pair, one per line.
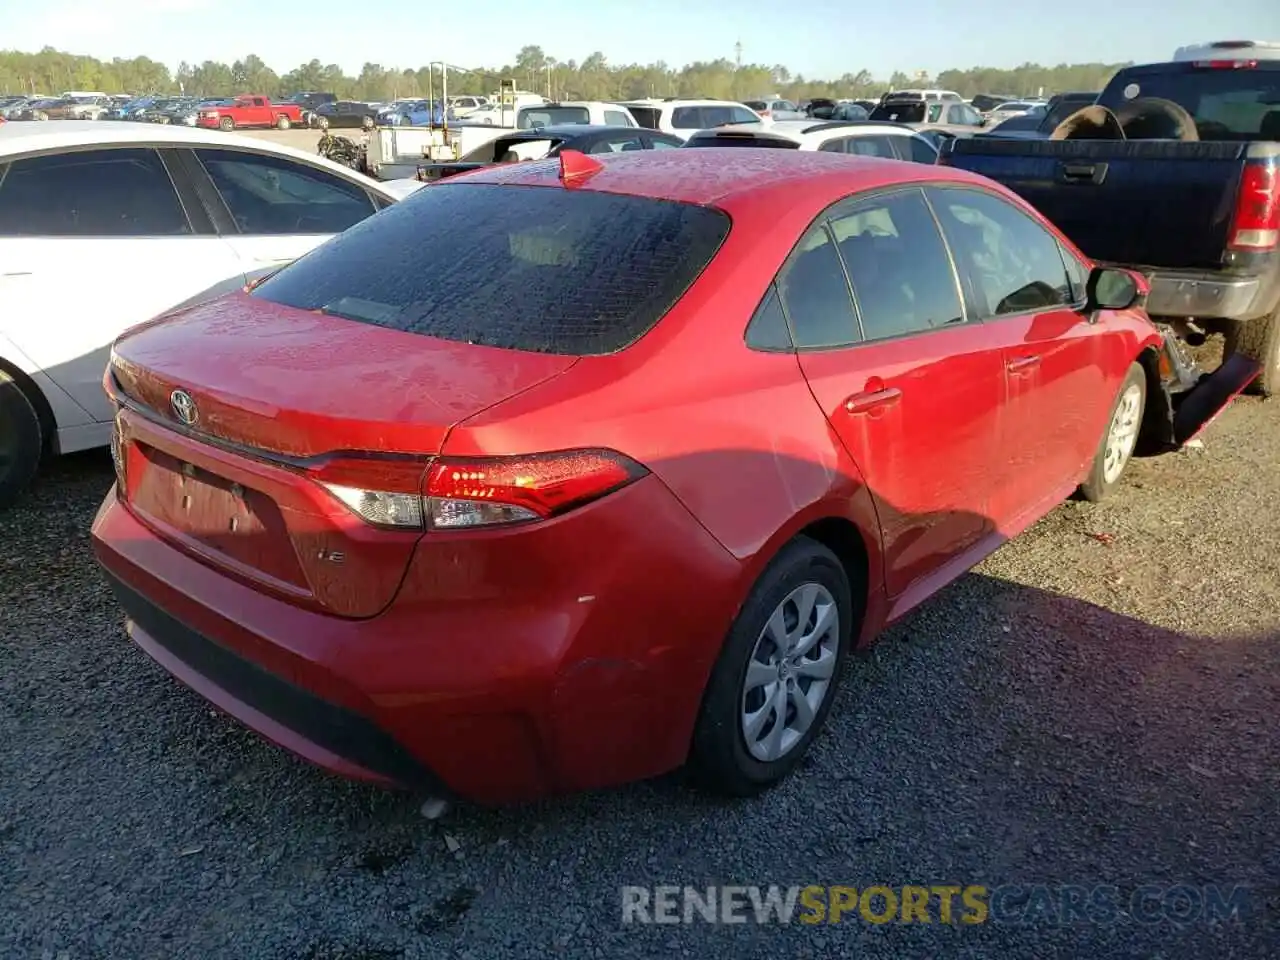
1022,363
862,402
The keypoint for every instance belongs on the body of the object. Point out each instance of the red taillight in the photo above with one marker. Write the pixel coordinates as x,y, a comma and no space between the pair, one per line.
466,492
1256,225
1225,64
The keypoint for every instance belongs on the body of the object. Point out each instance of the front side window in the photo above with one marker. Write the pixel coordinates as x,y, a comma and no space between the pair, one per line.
273,195
876,146
917,150
1008,262
616,118
91,193
898,264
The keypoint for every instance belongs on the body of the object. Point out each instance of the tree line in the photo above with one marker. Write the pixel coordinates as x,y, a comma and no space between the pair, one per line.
52,71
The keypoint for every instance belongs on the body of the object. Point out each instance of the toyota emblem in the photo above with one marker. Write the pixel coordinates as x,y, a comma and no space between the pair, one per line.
184,408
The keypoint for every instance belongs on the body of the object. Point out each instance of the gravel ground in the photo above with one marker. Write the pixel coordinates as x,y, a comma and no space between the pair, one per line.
1094,705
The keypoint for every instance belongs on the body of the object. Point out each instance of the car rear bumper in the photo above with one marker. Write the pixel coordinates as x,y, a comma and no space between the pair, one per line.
493,702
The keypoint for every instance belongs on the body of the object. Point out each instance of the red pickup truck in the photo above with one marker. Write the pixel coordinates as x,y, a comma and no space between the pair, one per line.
249,111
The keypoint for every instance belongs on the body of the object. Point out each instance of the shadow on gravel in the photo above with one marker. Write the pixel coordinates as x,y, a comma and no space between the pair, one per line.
1000,735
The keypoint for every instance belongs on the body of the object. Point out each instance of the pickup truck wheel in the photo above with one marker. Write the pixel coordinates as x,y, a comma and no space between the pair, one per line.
282,123
1121,436
21,441
1259,340
777,674
226,124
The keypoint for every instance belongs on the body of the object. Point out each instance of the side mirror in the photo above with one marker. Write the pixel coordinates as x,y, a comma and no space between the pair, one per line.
1113,289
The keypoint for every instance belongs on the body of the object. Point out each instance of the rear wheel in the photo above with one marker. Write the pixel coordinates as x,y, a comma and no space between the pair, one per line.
1259,340
226,124
282,123
773,684
1121,437
322,123
21,441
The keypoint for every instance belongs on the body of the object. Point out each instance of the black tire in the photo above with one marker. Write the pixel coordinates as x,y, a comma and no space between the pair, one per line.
1097,484
719,759
1259,340
226,124
323,123
21,441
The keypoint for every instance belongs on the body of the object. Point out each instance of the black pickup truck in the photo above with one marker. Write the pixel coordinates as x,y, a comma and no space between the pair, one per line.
1199,216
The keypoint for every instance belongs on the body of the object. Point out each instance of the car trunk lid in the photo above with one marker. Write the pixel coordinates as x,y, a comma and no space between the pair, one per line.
277,396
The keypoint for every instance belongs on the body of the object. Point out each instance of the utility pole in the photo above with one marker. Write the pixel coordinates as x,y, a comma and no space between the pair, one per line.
737,54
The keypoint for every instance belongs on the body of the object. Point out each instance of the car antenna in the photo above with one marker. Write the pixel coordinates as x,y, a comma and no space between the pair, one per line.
576,166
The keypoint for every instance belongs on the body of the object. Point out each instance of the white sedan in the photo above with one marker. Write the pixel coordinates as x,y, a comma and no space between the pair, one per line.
103,226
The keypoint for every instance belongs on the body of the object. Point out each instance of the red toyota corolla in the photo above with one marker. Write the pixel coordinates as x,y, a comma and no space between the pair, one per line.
574,472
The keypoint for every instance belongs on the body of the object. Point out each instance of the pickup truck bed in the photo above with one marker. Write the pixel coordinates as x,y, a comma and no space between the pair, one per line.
1113,197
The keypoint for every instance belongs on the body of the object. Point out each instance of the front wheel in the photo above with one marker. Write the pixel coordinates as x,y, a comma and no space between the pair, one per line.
1259,340
1117,445
776,677
226,124
21,441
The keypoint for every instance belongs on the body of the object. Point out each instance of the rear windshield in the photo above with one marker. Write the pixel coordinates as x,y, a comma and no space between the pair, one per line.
572,272
1239,104
646,116
900,111
741,141
547,116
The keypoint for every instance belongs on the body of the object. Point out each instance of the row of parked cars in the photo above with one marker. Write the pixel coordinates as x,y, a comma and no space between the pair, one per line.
421,525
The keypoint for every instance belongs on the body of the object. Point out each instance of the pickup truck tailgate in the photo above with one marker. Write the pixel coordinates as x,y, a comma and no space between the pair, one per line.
1162,203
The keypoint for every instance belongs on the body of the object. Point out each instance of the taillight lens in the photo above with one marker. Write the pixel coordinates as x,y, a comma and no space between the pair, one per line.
468,492
385,492
481,492
1256,225
1225,64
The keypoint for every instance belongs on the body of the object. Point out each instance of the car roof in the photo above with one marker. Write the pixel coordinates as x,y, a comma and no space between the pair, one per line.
724,176
18,138
575,130
802,131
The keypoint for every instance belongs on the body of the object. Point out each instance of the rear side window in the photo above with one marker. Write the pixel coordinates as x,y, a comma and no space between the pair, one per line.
900,111
616,118
899,267
275,196
548,116
646,116
1225,104
571,272
871,147
815,294
917,149
91,193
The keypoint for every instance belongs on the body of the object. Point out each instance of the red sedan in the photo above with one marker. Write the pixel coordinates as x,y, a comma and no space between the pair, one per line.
621,495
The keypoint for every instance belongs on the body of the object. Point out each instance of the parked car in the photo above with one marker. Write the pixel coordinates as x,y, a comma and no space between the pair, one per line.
412,113
105,225
65,108
463,106
1015,108
250,111
1039,124
547,142
947,116
327,484
344,114
554,113
683,118
776,109
1200,218
870,139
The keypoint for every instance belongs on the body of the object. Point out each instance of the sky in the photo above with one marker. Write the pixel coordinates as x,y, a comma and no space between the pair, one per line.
817,38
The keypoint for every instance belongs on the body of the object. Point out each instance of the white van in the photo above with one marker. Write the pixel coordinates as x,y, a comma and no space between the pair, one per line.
1228,50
